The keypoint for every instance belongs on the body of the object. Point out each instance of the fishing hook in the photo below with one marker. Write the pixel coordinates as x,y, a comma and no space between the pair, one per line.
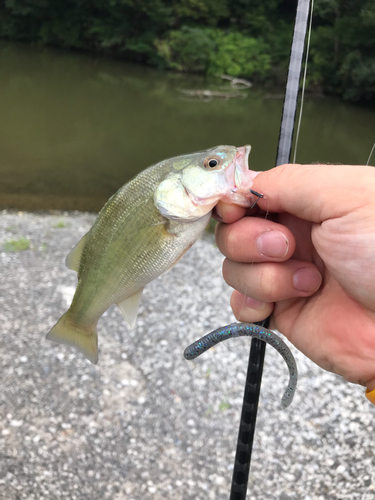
259,196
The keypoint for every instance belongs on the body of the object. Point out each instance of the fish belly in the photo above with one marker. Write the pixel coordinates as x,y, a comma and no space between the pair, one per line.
130,263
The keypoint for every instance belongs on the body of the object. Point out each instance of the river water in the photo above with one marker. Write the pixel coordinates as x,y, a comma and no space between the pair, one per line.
75,127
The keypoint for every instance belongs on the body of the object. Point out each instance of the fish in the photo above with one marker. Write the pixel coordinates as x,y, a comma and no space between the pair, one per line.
142,231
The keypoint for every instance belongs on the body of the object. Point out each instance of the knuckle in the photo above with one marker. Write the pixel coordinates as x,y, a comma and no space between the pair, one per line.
227,274
232,241
267,282
230,244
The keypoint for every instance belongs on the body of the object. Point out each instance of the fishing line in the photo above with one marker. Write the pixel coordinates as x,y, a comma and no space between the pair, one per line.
369,158
304,83
260,196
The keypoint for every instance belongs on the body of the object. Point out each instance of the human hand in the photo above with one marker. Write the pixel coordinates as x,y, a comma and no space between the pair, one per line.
313,269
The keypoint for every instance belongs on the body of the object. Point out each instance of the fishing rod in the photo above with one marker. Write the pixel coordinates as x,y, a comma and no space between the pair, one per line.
253,382
259,331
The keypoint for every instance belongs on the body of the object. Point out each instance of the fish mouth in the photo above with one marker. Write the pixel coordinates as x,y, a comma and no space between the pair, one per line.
238,172
243,153
242,159
240,178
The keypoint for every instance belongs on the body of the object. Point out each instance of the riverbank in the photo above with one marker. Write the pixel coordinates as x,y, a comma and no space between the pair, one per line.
211,38
144,423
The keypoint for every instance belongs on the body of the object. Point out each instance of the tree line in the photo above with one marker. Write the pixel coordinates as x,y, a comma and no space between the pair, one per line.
244,38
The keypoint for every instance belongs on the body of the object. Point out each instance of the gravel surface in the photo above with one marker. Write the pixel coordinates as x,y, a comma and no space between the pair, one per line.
144,423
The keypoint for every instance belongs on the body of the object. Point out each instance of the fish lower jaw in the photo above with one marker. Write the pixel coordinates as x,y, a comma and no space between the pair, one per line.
201,201
238,198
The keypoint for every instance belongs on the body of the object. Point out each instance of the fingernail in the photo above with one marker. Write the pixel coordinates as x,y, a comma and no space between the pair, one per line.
272,244
254,304
307,280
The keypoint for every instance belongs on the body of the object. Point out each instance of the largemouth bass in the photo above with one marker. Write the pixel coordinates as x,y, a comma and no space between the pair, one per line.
142,231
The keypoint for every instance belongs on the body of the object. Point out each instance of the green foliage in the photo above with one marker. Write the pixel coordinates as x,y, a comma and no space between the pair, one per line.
188,49
368,14
249,38
239,55
207,11
212,51
358,77
17,245
343,49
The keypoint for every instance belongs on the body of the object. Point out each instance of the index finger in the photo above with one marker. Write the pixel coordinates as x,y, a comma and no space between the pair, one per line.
315,192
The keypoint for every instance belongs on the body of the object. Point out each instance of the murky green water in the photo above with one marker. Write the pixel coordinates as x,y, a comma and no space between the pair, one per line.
74,128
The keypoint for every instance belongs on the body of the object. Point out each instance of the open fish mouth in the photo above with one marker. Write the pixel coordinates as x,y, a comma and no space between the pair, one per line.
242,156
239,177
241,168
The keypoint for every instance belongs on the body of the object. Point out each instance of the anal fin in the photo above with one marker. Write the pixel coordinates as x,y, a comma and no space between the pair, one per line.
129,308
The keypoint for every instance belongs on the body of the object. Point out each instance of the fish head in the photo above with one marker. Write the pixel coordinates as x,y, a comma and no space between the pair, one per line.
196,182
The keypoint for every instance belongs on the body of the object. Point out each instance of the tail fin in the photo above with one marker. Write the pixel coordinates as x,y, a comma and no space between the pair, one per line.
68,333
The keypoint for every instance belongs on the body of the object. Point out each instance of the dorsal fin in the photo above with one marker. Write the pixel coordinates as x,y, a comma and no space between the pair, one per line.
129,308
74,256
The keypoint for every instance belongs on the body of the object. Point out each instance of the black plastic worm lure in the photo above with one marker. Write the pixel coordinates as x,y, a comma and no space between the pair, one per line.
249,330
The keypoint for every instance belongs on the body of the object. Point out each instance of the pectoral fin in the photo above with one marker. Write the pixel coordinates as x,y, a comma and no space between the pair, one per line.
74,256
129,308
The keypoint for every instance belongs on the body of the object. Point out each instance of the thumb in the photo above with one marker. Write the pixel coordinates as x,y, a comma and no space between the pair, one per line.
315,192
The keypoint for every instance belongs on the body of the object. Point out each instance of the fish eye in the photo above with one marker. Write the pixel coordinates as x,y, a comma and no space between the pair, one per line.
212,162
